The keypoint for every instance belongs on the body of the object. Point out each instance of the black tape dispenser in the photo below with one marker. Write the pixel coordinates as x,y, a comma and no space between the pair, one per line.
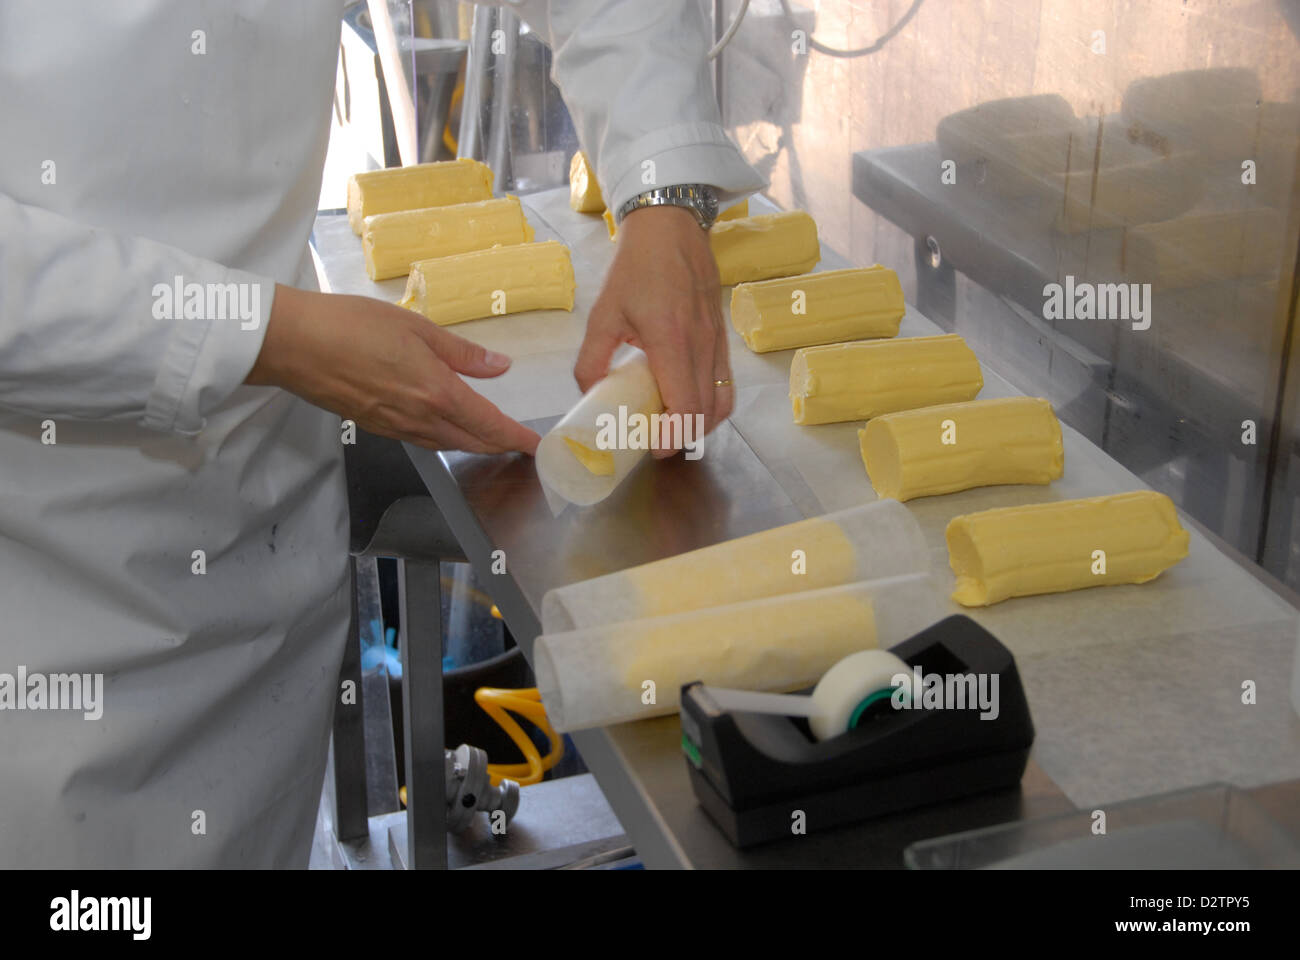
941,715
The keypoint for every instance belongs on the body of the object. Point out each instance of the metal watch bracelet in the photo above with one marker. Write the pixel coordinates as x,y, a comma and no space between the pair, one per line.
698,198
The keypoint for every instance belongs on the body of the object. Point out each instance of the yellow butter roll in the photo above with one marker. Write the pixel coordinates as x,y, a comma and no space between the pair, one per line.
854,304
394,241
485,283
766,246
863,379
413,188
957,446
1070,545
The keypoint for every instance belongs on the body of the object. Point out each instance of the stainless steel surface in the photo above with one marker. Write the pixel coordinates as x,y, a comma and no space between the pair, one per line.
512,116
419,592
724,495
348,744
380,762
560,823
761,470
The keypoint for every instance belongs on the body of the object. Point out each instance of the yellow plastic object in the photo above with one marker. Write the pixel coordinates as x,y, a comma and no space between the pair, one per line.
863,379
412,188
394,241
766,246
956,446
610,225
1070,545
854,304
485,283
584,191
528,704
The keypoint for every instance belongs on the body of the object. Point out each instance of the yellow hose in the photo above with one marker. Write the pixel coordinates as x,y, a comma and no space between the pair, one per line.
528,704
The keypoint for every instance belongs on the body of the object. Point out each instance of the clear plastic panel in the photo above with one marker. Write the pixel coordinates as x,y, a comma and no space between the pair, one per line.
1101,198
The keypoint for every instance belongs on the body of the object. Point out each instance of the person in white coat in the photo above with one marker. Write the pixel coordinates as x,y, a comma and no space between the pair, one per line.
173,535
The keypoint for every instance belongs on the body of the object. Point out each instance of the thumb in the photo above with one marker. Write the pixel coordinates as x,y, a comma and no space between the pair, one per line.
593,358
465,356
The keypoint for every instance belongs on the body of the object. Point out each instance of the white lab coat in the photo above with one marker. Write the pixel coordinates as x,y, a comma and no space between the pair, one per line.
129,159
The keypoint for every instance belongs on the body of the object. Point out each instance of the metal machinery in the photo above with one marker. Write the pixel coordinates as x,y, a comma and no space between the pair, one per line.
1178,111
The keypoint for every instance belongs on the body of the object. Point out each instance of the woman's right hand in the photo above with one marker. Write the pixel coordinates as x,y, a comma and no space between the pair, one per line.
390,370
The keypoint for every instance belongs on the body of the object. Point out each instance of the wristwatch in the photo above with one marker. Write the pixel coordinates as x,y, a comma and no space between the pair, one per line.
698,198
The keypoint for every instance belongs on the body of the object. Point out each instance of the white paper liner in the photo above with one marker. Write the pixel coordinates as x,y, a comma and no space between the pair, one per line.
634,670
877,539
629,385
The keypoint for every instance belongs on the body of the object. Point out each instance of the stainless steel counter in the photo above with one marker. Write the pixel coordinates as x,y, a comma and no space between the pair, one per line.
1135,689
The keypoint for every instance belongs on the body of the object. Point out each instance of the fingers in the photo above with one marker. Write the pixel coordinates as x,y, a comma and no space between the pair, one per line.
602,339
464,356
675,371
482,419
724,397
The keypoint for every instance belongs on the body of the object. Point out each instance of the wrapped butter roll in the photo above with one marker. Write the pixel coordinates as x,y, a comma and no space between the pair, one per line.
577,459
603,675
866,542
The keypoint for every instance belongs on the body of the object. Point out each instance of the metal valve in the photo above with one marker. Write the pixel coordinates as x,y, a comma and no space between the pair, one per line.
469,789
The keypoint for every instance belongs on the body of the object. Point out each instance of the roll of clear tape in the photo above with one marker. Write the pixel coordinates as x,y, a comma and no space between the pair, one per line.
873,540
852,684
571,463
839,699
635,670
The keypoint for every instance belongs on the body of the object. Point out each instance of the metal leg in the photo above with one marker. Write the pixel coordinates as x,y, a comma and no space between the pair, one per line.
426,787
349,737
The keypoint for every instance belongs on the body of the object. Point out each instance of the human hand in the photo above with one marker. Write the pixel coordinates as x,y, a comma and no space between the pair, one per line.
662,294
389,369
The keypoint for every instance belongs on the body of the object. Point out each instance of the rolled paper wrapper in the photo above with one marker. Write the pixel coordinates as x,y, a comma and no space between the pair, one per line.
572,462
878,539
603,675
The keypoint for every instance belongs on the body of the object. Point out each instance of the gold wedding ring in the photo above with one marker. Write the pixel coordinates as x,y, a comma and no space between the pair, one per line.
722,383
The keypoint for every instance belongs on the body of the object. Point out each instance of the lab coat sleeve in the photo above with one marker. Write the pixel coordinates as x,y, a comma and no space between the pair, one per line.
637,80
88,329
